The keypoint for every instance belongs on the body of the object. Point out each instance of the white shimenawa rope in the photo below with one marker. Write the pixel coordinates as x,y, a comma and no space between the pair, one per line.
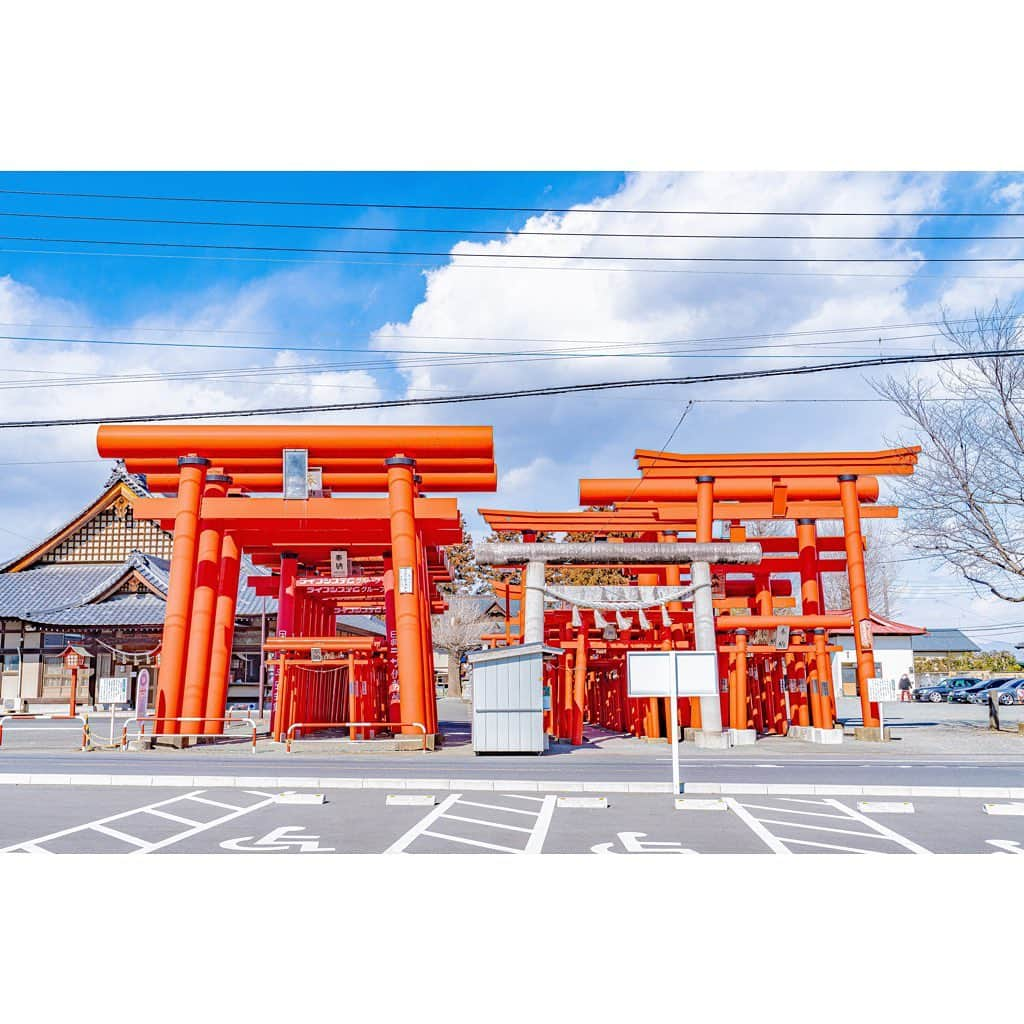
617,599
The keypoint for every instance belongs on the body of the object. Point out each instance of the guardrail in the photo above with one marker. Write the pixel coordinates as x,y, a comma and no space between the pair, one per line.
84,719
349,725
141,723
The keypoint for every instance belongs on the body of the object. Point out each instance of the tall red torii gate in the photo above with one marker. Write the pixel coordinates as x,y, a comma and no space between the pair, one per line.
209,471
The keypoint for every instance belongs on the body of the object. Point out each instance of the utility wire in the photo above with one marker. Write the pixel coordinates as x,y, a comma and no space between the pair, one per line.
526,341
495,209
237,247
491,396
500,232
524,267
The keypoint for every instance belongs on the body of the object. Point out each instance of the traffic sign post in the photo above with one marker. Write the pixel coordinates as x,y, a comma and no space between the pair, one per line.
672,674
112,690
880,691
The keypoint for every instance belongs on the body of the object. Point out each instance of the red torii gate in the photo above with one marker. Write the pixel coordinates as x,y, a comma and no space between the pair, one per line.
210,471
685,494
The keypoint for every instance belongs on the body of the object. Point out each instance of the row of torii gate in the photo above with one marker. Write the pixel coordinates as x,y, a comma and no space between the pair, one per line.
348,521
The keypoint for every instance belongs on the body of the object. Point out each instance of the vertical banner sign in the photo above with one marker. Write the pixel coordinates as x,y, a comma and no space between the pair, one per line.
391,627
339,563
405,579
142,693
272,673
867,636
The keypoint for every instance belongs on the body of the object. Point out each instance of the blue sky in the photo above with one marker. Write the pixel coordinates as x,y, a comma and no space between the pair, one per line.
306,328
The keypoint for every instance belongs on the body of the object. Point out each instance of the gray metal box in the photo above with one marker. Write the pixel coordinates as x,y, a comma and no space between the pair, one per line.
508,699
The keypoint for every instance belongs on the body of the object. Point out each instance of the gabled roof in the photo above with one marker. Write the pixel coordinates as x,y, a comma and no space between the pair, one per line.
120,484
882,626
944,641
86,595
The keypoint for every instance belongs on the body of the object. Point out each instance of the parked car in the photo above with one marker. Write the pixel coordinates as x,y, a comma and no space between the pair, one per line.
1011,692
941,691
978,693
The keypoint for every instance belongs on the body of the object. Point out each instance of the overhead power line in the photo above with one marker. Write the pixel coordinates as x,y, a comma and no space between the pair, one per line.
500,232
554,390
142,328
352,205
319,250
521,267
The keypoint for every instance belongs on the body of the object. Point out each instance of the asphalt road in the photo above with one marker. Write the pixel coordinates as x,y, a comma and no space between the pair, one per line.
209,820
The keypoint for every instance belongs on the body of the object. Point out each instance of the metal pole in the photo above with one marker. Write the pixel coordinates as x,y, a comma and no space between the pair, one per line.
705,640
675,730
263,664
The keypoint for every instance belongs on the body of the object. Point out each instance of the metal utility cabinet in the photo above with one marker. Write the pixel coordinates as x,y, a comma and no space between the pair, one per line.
508,699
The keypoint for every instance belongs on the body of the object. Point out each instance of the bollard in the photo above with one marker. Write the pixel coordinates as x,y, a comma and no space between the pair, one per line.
993,709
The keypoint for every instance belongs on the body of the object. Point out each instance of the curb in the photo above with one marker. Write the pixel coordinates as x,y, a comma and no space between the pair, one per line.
505,785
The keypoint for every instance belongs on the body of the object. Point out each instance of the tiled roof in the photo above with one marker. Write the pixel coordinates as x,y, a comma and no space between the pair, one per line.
882,626
52,586
366,623
67,594
135,482
122,610
943,641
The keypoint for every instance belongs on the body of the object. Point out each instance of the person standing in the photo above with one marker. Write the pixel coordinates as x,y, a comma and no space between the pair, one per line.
904,687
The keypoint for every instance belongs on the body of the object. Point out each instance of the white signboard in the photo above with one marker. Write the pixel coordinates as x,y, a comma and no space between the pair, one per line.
405,579
112,690
882,691
316,654
339,563
668,673
781,638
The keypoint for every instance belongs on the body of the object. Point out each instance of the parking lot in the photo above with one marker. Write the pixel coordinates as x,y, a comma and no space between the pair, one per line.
44,820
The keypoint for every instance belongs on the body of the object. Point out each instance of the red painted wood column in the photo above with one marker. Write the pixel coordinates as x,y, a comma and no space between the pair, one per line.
408,628
285,627
191,480
204,600
862,635
223,632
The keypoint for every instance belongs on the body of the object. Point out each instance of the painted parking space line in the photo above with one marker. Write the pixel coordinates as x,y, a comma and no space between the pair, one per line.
782,827
755,826
881,829
444,816
125,837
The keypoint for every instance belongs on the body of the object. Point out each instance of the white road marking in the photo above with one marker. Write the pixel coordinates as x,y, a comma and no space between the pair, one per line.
881,829
540,831
279,839
444,812
1006,845
173,817
498,807
631,842
756,827
532,799
832,846
489,824
100,825
471,842
817,828
789,810
122,836
213,803
399,845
